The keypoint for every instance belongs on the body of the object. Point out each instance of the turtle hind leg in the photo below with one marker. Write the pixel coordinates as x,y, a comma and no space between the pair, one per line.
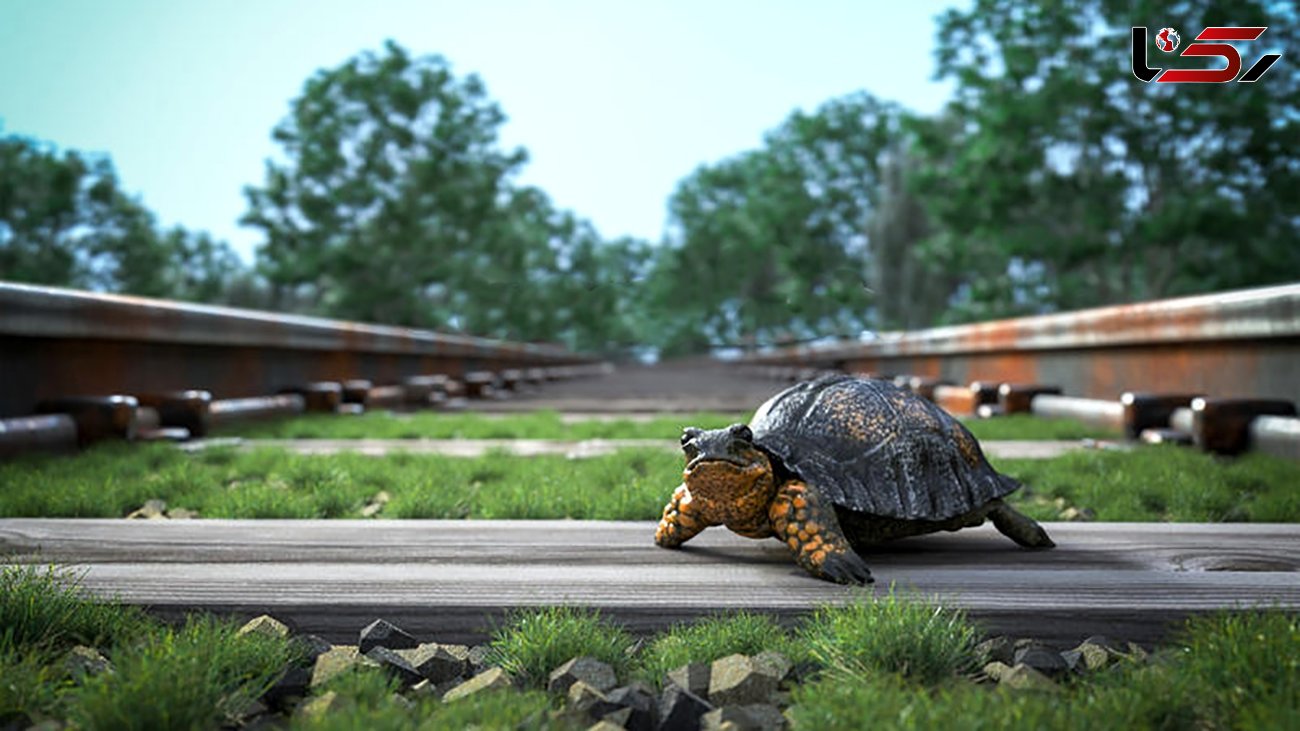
1018,527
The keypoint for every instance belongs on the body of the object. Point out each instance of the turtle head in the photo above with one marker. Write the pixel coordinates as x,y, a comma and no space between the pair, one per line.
726,473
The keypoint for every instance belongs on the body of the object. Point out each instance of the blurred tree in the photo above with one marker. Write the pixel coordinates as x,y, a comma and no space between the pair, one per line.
65,221
1057,180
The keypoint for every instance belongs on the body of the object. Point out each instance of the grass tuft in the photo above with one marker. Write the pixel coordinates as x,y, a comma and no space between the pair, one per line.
196,677
536,641
912,638
42,606
1029,427
710,638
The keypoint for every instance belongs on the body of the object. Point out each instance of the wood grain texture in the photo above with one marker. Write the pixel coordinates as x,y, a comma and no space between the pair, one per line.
452,580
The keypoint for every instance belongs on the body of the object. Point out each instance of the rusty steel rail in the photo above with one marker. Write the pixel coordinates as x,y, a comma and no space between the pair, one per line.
1242,344
56,343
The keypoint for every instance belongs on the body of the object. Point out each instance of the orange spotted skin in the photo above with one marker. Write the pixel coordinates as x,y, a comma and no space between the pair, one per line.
745,499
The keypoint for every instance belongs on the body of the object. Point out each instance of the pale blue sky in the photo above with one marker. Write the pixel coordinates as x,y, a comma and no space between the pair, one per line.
614,101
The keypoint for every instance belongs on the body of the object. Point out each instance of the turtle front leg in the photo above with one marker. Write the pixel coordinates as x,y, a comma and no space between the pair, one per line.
811,530
681,521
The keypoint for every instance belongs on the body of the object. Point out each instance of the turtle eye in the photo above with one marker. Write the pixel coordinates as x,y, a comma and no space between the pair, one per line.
688,434
740,431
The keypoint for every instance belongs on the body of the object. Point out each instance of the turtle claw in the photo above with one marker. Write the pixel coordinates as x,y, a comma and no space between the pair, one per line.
845,568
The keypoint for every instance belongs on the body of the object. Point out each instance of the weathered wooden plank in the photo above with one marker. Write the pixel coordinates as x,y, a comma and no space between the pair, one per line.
453,579
1010,449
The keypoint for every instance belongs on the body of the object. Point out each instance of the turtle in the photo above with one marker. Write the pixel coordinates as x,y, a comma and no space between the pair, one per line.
832,465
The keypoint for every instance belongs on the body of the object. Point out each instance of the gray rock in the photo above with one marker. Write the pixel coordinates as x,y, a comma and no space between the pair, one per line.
151,510
737,680
490,679
590,700
82,660
749,717
589,670
312,647
382,633
395,665
337,660
291,688
996,649
1088,657
680,709
605,725
438,663
321,706
1023,677
774,664
693,678
639,701
478,658
618,719
996,669
1041,658
264,625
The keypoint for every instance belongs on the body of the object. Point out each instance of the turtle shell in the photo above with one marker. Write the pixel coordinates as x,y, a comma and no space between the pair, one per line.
872,447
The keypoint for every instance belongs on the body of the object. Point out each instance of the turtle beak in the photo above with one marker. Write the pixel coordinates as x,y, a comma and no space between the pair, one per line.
707,457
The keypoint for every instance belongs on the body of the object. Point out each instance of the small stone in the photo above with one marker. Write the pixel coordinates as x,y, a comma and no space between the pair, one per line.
264,625
1041,658
996,670
478,658
604,725
395,665
1088,657
151,510
639,702
490,679
589,699
294,684
401,700
693,677
312,647
749,717
337,660
736,680
182,514
320,706
774,664
1077,515
423,689
680,709
83,660
617,719
438,663
996,649
371,510
1135,652
382,633
589,670
1023,677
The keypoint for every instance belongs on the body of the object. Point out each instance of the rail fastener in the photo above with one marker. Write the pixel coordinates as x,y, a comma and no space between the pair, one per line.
1222,425
97,417
189,410
230,411
1098,412
1015,398
1143,411
320,396
357,391
47,432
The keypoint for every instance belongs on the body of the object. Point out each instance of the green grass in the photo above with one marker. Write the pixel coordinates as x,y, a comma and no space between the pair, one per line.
444,425
549,425
1025,426
913,639
536,641
1229,671
710,638
194,676
1159,484
888,663
1146,484
112,480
